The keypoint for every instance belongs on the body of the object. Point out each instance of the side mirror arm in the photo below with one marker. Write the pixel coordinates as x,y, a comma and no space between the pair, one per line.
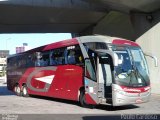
153,57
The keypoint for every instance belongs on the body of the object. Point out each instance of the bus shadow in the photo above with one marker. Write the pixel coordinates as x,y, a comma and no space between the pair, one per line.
100,107
56,100
5,92
116,108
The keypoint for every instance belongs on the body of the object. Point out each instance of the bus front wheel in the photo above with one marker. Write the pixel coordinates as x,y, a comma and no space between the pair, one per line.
82,101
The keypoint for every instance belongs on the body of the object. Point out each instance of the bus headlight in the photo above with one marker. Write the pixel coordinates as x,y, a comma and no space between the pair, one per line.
120,91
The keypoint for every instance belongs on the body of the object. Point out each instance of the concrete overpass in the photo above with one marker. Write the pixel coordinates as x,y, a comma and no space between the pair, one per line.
122,18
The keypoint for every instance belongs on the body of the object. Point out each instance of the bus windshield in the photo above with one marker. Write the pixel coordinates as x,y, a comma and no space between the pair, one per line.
132,69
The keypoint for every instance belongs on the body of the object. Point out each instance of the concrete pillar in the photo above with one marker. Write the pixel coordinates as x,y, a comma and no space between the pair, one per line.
142,22
149,26
150,42
129,26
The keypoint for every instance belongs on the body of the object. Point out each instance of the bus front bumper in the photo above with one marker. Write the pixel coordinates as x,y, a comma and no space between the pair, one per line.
123,98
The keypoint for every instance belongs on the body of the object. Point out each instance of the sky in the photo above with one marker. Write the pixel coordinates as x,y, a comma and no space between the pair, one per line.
11,41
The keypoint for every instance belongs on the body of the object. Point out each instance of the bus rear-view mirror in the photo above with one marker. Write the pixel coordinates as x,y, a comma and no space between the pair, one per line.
153,57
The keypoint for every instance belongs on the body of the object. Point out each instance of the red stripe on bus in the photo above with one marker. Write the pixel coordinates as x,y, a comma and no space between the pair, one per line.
124,42
135,90
61,44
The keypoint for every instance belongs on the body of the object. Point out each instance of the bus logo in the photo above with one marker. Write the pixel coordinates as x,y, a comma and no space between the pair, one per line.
46,79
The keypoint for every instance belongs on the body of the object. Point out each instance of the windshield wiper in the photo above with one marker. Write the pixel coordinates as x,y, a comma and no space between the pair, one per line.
135,70
130,74
138,73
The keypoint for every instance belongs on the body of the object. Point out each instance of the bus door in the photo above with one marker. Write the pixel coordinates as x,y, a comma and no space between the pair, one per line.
104,76
90,82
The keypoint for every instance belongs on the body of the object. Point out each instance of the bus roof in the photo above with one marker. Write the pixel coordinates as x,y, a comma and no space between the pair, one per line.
59,44
83,39
63,43
107,39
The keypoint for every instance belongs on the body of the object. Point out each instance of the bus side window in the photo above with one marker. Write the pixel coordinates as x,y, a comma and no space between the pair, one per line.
71,57
52,58
30,60
42,59
74,56
79,57
57,57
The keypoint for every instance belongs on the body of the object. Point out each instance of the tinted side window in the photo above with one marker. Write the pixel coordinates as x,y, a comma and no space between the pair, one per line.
74,55
71,58
96,45
42,59
57,57
31,59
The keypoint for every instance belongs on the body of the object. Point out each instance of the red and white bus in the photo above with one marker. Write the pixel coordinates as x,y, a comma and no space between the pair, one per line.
90,69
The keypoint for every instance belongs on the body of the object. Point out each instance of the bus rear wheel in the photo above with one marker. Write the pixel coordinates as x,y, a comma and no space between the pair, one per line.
25,91
17,90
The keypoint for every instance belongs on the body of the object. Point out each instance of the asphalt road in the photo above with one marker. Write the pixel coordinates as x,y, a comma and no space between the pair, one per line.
12,104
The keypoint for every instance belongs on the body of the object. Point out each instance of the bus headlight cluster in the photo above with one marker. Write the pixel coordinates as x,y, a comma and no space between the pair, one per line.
120,91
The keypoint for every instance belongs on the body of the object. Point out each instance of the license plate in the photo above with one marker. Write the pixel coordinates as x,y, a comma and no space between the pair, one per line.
139,101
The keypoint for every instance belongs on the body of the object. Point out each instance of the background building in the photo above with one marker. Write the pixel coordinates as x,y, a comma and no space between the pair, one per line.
4,53
3,61
23,48
20,49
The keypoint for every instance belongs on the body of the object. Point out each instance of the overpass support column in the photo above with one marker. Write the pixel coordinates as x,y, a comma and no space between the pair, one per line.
142,22
150,41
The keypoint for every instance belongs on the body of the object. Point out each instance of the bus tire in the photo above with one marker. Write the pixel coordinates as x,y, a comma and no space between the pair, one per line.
17,90
25,91
83,101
